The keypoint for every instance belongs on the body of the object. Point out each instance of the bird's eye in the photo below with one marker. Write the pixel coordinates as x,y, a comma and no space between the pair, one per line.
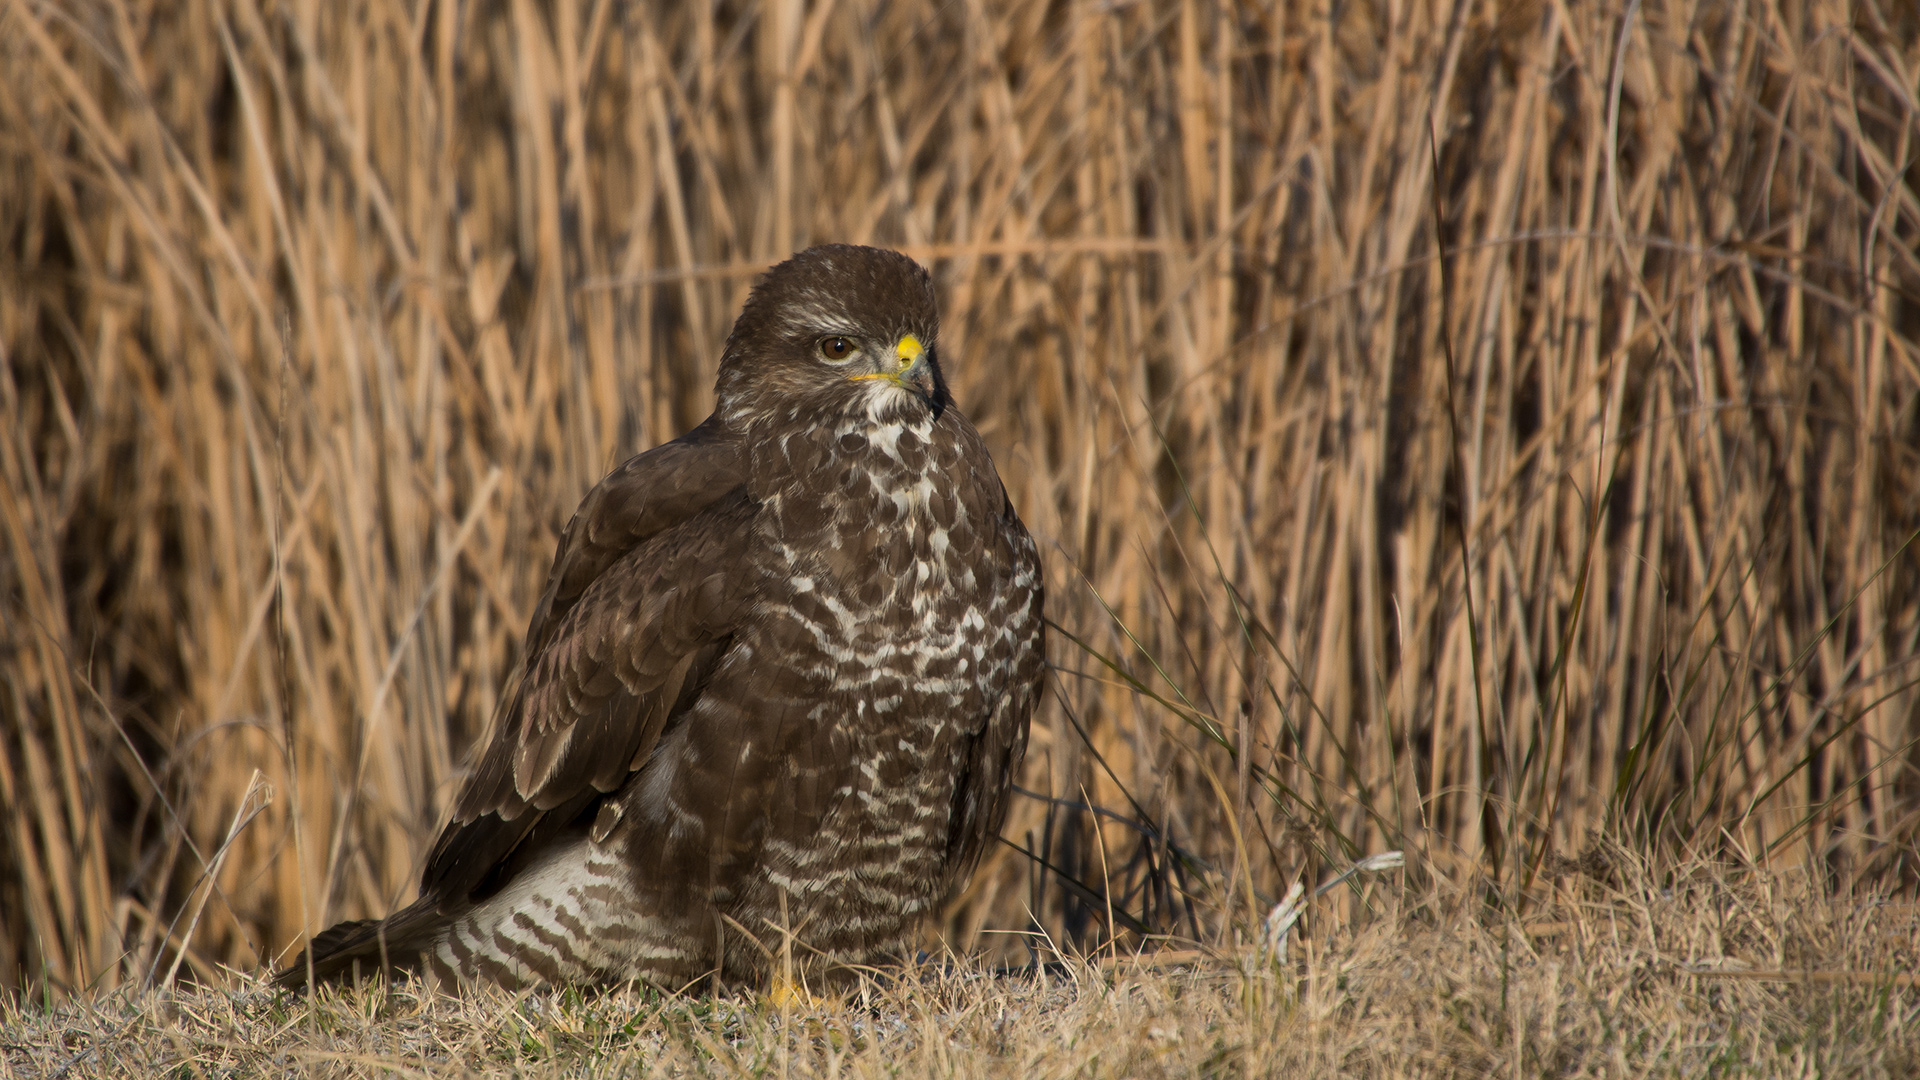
836,348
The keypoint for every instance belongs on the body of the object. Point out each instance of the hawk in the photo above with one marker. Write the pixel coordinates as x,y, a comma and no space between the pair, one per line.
777,686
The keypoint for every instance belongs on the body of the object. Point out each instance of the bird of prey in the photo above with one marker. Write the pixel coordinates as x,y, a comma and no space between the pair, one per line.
775,691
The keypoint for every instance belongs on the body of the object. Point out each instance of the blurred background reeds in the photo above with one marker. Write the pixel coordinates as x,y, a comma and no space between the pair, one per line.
1478,429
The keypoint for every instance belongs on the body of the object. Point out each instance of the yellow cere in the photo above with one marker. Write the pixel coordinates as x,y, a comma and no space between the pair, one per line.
908,350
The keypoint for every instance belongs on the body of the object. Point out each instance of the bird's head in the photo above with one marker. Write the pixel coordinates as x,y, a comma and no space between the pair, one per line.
836,329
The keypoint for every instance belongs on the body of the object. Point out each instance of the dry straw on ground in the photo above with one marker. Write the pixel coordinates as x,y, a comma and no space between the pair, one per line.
1684,974
316,319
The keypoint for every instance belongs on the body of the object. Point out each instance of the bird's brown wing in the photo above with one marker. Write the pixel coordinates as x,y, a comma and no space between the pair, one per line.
647,495
637,611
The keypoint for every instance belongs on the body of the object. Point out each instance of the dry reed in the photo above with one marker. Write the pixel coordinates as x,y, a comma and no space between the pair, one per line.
316,320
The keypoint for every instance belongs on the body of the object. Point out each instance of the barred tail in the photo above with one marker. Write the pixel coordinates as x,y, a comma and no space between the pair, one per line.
348,951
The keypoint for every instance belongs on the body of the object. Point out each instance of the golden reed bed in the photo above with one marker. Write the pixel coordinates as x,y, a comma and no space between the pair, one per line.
316,319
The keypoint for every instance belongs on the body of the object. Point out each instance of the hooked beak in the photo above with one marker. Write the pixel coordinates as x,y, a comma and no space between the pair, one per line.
910,368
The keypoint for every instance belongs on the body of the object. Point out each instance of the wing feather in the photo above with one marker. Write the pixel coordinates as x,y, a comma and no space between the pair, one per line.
636,612
647,495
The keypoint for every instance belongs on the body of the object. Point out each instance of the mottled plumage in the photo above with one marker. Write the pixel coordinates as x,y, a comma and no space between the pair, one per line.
780,677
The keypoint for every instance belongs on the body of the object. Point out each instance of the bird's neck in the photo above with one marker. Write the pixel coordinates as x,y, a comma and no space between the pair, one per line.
816,458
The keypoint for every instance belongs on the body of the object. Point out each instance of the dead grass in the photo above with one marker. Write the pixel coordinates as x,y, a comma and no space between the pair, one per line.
1694,972
316,319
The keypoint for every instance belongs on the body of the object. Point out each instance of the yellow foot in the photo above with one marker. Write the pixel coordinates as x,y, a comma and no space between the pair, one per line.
816,1019
788,993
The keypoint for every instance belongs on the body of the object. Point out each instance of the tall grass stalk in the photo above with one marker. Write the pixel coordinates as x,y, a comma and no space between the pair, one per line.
316,319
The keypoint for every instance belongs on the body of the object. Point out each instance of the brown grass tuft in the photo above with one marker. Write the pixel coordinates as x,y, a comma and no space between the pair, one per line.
316,319
1687,972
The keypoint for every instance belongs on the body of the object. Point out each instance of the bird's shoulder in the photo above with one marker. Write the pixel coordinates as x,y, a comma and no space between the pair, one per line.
647,495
